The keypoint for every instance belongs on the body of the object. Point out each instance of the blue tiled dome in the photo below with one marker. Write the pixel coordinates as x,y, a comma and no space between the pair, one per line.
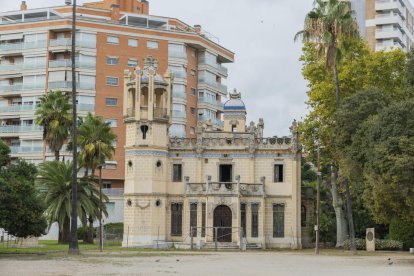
235,102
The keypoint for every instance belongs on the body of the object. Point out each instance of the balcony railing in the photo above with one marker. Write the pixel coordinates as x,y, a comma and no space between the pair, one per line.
179,114
216,85
20,129
179,94
86,107
177,54
17,108
21,66
19,46
213,102
64,85
21,87
218,67
66,42
113,192
214,121
180,74
68,63
160,113
21,149
225,188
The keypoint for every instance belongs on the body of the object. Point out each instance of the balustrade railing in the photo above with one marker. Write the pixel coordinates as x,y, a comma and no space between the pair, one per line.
234,141
225,188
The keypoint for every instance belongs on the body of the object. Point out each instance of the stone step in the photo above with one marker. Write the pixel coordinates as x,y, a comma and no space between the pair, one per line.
253,246
221,245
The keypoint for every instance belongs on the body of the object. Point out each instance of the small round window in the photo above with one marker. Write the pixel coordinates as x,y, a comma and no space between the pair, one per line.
158,164
130,163
129,202
158,202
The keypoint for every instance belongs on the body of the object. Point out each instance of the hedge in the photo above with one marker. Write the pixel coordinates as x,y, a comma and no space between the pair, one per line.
379,244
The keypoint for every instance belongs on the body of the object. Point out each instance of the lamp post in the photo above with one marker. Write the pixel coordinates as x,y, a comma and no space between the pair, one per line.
73,245
318,200
100,208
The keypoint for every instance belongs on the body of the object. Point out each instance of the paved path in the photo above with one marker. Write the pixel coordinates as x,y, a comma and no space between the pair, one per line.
222,263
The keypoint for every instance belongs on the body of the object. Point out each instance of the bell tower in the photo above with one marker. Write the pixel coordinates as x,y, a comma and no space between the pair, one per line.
147,115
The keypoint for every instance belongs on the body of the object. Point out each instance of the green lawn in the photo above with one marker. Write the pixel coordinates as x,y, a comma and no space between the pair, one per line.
54,247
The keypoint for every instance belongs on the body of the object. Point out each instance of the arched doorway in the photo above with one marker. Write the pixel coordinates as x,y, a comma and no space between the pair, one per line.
222,218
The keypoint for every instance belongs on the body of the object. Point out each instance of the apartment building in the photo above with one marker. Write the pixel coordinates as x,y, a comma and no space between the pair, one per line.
112,35
386,24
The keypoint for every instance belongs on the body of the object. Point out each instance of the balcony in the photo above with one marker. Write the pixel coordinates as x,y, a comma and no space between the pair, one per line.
210,102
180,94
67,85
66,43
216,122
17,47
389,33
225,188
17,108
180,74
113,192
25,150
179,114
18,67
86,107
216,86
382,5
388,18
214,67
177,55
67,63
20,129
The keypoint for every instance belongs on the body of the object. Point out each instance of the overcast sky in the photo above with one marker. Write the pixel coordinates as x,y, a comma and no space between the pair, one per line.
260,33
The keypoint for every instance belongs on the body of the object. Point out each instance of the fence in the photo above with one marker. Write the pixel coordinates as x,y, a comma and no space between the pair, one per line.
111,236
218,234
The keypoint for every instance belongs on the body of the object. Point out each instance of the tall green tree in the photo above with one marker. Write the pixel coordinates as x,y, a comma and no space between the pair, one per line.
54,115
330,26
4,154
389,165
55,184
21,208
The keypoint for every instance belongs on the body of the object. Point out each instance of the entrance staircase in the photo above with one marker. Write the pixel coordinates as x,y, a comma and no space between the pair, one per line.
221,246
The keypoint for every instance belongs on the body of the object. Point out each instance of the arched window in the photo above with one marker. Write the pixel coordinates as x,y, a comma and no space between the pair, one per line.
144,130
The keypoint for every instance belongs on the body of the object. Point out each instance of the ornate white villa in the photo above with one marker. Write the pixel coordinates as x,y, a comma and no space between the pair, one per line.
233,184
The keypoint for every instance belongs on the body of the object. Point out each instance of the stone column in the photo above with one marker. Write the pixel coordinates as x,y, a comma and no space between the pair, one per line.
262,222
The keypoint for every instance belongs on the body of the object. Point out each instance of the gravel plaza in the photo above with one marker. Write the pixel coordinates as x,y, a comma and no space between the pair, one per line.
304,262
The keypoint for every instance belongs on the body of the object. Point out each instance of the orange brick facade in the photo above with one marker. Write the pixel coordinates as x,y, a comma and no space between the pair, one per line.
107,26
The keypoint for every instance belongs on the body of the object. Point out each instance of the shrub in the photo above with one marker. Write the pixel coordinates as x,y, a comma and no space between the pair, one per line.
379,244
403,230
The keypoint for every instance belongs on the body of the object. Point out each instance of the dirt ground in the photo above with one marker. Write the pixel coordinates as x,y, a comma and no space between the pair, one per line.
210,263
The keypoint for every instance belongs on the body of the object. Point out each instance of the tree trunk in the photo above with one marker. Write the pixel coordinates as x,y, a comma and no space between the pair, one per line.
56,155
89,236
341,227
66,231
350,218
348,194
338,89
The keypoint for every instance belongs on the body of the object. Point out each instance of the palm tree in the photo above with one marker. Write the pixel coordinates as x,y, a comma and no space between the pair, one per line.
330,25
95,141
54,183
54,115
